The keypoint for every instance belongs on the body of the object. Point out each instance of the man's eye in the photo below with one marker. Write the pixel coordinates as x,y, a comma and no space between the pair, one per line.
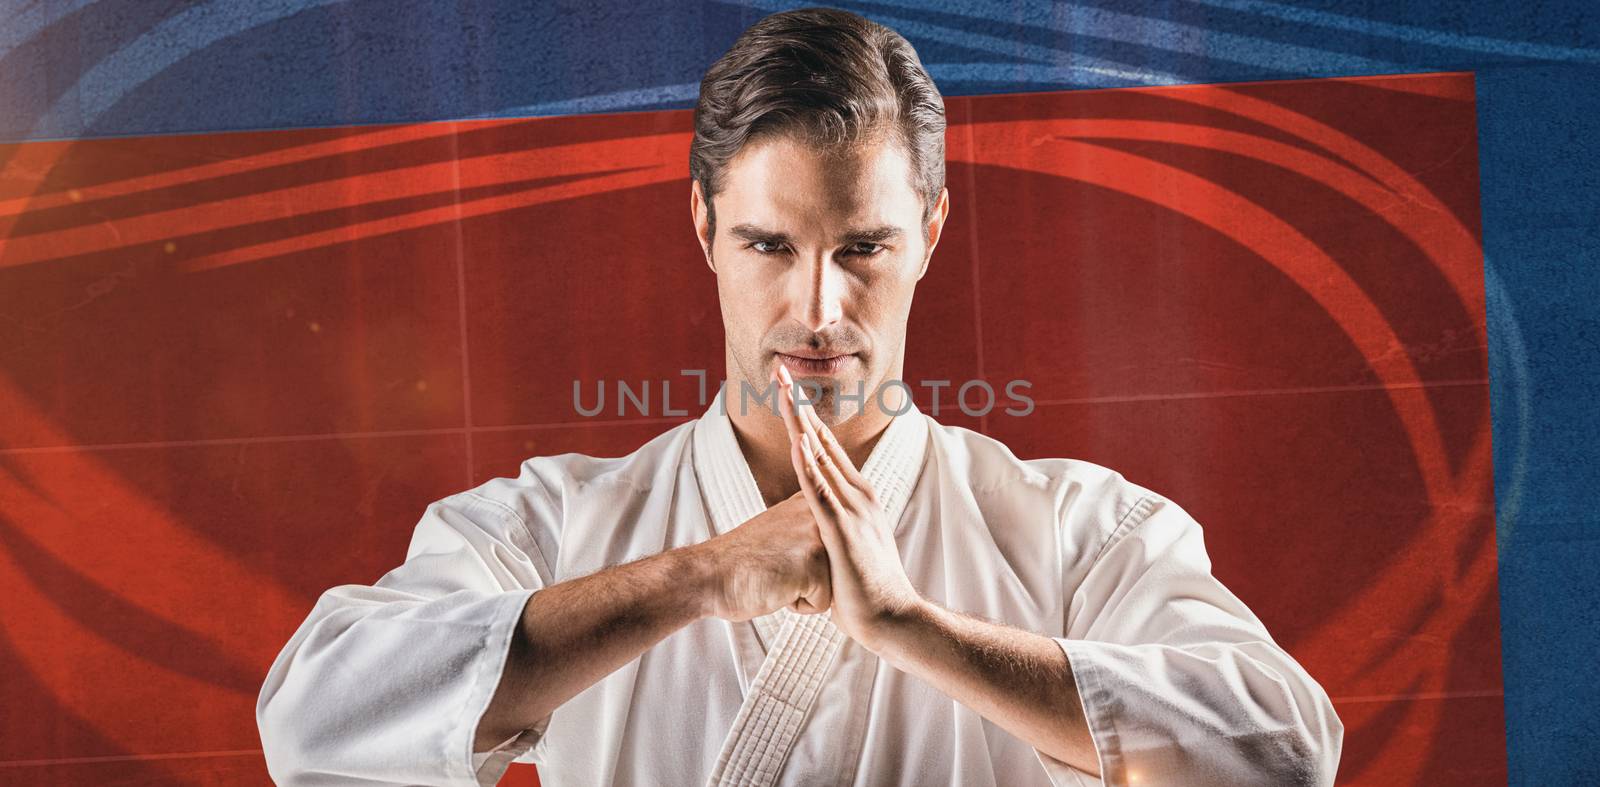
767,246
864,249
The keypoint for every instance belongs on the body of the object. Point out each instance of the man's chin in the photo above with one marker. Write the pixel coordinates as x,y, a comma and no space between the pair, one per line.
835,400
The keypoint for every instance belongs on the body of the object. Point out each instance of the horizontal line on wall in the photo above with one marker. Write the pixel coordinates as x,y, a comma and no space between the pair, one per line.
337,436
1424,695
1431,695
1318,389
680,419
181,755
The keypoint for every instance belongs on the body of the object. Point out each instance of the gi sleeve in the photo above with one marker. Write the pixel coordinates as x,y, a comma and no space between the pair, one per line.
385,684
1181,684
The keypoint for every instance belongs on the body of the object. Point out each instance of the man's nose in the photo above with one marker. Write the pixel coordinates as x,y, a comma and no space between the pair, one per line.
820,300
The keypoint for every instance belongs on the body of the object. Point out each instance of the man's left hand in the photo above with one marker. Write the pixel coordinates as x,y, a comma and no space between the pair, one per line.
871,591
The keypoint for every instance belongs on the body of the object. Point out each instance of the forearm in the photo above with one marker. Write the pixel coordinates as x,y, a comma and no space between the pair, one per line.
1017,679
574,633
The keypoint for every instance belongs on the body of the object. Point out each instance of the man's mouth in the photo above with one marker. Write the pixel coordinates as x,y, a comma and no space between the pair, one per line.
815,363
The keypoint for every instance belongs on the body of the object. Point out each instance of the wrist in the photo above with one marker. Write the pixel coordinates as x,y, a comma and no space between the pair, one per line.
698,569
902,629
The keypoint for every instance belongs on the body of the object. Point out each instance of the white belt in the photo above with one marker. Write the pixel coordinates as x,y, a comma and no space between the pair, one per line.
780,697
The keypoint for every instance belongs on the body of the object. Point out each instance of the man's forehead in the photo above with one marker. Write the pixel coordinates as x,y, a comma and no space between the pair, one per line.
782,181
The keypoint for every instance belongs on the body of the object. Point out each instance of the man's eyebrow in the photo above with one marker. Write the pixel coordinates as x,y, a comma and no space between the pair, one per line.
751,232
873,235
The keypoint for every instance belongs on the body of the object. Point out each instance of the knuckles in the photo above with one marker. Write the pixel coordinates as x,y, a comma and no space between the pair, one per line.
871,497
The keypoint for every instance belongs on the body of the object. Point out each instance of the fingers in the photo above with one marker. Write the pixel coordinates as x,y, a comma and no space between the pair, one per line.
841,459
835,455
824,506
813,483
821,464
800,430
825,460
786,407
805,607
820,597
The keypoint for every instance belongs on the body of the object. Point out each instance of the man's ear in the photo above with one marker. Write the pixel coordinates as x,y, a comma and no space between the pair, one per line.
700,213
935,228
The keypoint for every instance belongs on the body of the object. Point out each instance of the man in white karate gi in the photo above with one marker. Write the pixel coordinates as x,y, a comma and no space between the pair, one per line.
843,592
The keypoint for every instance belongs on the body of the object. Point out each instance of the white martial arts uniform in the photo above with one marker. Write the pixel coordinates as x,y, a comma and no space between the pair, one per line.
1181,684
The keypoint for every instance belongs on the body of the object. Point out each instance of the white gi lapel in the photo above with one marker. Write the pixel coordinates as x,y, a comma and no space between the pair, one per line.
800,648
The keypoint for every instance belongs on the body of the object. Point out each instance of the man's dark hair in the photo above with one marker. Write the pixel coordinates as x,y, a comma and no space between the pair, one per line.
830,76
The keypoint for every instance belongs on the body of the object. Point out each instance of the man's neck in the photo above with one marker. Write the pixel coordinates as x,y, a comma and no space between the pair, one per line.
765,444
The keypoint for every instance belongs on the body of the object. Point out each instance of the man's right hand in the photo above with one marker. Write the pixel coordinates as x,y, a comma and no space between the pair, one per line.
577,631
776,559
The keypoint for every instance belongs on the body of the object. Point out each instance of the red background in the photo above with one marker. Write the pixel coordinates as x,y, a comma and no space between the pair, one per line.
237,366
